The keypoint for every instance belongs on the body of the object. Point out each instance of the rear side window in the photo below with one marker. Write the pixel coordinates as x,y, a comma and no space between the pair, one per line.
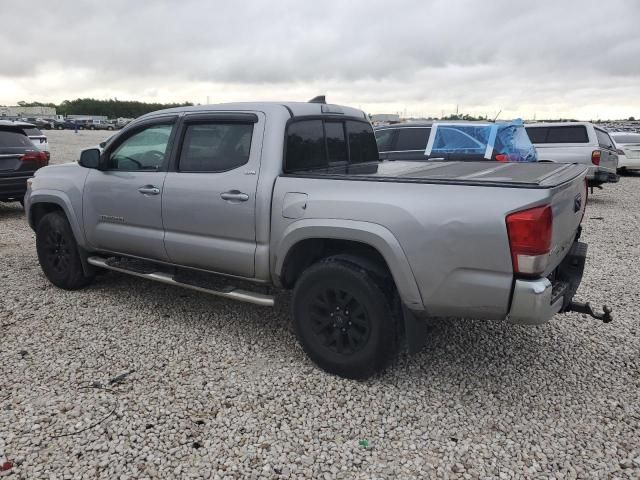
384,138
215,147
537,134
412,138
603,139
320,144
14,139
560,134
362,143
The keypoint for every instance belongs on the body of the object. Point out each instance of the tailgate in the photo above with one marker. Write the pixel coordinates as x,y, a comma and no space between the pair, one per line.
10,159
568,203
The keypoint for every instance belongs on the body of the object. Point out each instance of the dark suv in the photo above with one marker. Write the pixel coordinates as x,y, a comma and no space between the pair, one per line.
19,159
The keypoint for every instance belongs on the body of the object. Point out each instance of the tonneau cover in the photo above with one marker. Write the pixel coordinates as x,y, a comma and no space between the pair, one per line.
480,173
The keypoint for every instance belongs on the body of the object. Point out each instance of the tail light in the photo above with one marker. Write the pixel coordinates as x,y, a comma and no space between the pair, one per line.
595,157
530,239
501,157
40,158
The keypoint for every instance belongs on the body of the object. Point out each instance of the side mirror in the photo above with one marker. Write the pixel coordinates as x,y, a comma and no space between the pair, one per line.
90,158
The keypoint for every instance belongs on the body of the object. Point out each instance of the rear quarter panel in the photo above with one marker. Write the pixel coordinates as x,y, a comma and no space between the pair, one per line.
453,237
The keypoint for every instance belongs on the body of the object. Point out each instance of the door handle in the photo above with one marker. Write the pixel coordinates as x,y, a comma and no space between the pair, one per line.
234,196
149,190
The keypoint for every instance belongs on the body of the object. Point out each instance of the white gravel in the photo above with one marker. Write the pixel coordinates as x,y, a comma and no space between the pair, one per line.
222,390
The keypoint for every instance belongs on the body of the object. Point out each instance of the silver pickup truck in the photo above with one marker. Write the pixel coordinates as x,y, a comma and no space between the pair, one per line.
243,200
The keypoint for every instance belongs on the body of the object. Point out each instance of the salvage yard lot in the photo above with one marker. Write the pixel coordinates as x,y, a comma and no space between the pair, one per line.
134,378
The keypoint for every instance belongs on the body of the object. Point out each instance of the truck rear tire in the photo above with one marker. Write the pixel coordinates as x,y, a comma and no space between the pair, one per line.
343,319
58,253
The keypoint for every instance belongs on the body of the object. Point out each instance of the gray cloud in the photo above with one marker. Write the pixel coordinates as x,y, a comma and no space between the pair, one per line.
523,57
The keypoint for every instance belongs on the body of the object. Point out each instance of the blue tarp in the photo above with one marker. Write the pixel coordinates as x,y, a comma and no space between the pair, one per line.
501,141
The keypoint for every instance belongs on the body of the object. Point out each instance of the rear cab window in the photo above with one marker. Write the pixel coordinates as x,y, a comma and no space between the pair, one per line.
329,145
412,139
33,132
384,138
14,139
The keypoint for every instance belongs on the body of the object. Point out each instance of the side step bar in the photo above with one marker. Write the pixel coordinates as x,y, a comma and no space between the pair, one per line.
232,293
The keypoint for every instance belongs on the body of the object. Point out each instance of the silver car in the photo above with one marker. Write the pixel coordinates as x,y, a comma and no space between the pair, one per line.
577,142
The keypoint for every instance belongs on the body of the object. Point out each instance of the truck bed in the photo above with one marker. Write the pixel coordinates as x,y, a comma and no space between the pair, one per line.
481,173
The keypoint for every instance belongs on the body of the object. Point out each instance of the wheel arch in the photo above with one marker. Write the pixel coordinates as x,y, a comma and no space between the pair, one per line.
41,203
307,241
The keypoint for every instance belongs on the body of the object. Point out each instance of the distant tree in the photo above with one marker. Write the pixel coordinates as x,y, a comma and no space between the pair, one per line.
632,119
112,108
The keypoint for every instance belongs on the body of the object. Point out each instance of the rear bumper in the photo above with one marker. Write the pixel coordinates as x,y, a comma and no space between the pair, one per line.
629,163
600,175
13,187
535,301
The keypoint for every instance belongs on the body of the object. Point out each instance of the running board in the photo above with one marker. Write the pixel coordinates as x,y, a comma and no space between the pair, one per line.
166,278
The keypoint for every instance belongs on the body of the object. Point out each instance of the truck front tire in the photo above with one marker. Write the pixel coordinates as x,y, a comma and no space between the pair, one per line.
58,252
343,319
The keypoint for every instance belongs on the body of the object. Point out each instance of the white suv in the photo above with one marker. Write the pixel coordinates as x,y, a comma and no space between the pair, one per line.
577,142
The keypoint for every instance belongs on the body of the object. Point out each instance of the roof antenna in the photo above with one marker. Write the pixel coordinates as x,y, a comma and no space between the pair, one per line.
318,99
497,115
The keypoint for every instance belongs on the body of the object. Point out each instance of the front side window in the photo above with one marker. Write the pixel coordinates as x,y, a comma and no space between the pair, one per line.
215,147
412,138
144,150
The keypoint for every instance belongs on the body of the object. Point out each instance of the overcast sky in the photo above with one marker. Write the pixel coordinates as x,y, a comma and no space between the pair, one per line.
544,58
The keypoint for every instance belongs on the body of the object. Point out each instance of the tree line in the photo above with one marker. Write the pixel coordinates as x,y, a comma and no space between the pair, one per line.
113,108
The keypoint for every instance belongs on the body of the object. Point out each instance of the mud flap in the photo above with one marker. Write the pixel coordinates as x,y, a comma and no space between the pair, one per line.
415,330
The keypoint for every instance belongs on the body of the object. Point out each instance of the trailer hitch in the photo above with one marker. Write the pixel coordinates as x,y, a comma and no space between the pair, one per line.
585,308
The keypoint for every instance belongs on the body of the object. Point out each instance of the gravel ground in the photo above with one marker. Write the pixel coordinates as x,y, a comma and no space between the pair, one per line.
132,379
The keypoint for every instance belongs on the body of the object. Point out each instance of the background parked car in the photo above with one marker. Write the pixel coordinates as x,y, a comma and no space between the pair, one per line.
57,124
100,125
19,159
628,144
577,142
455,141
73,125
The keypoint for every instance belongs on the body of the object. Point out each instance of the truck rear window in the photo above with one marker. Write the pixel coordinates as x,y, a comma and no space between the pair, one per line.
412,139
14,139
322,145
559,134
33,132
603,139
